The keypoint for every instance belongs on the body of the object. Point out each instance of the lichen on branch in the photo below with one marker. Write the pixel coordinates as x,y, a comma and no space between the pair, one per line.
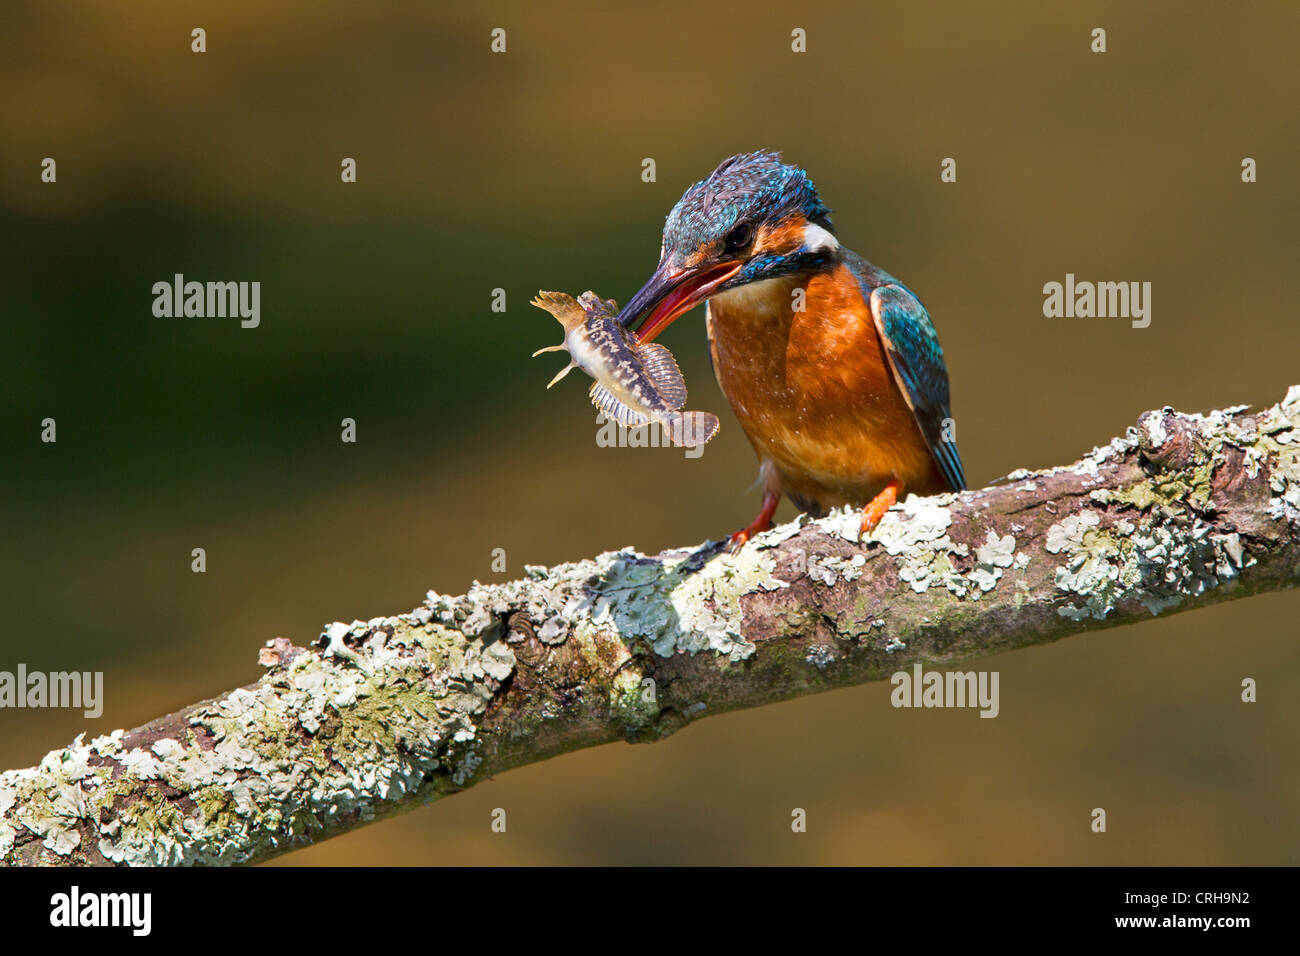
379,716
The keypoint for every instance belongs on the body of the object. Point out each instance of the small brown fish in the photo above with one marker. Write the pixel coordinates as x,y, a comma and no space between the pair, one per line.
635,382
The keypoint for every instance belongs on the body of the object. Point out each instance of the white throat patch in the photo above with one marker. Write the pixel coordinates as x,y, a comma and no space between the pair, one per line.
817,239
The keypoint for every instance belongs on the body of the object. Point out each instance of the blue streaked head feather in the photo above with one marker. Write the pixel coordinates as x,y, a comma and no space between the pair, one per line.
749,187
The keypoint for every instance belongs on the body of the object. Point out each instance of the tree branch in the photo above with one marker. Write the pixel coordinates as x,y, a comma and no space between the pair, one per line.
381,716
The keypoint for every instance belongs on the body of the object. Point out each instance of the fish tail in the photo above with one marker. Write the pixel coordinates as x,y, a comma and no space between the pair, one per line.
690,429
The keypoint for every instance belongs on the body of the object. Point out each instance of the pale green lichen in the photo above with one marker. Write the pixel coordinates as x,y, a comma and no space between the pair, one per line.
831,569
633,702
1168,490
1170,551
1158,564
676,603
782,532
382,712
1152,429
1279,438
994,555
681,607
917,535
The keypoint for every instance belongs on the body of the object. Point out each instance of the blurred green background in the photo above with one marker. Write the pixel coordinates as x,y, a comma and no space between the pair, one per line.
522,171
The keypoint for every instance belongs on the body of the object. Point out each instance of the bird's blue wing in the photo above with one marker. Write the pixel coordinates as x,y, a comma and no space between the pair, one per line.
917,363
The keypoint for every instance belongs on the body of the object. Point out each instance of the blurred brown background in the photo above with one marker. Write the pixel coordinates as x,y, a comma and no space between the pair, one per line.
522,171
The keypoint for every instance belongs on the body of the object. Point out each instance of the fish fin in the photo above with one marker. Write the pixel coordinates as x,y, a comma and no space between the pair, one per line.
551,348
565,308
662,369
690,429
563,372
554,302
614,409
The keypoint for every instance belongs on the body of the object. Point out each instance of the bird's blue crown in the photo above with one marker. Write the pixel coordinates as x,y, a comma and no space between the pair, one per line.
754,187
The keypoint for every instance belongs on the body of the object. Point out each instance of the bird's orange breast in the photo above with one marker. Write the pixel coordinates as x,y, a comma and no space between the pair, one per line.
813,389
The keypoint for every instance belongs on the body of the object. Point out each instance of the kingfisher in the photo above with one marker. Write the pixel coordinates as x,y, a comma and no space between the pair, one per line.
831,365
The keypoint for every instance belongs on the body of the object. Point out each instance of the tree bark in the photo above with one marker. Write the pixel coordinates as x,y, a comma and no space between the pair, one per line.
380,716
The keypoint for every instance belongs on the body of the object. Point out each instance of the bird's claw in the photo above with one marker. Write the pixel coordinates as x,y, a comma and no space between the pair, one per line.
736,540
760,524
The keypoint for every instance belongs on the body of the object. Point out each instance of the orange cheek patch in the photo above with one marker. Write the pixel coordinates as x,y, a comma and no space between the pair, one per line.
780,240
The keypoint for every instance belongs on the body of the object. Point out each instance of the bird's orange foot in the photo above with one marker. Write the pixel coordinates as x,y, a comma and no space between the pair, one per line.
876,508
758,525
736,540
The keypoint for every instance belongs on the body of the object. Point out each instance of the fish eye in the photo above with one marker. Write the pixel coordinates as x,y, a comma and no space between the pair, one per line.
739,237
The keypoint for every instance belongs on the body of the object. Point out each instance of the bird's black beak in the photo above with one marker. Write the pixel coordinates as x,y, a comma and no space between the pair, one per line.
671,293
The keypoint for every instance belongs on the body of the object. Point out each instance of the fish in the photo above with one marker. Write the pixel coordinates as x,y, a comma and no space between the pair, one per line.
636,383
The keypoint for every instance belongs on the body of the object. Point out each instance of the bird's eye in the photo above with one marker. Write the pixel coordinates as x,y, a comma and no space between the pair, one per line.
739,237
